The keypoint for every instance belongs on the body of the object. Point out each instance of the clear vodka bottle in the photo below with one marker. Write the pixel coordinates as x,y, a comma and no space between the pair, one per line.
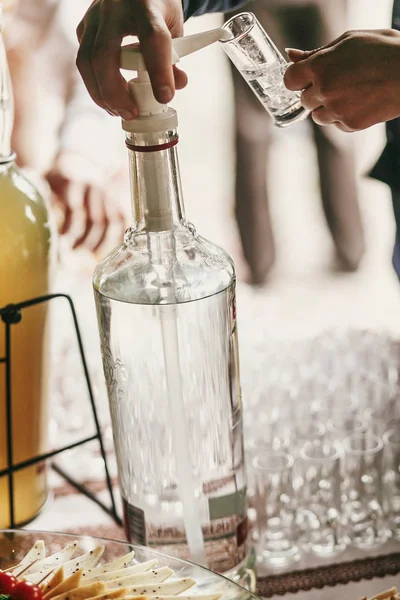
167,317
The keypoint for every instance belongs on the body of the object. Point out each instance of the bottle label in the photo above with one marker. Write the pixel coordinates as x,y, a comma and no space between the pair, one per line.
225,537
134,524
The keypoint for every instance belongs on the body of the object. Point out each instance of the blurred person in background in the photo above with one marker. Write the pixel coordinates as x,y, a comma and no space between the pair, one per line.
353,82
303,24
69,145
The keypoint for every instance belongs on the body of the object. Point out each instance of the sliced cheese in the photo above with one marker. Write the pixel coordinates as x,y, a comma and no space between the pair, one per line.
113,565
185,597
54,560
84,562
84,592
110,595
171,588
68,584
37,552
134,570
55,581
150,577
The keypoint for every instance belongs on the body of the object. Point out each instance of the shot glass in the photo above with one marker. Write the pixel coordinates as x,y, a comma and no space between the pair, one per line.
307,430
377,420
276,522
345,424
273,438
270,438
262,66
391,441
320,512
363,490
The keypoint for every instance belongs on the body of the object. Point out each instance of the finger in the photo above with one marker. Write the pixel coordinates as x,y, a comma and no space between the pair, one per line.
89,218
310,99
117,223
174,21
103,224
106,64
298,76
64,215
181,78
65,226
157,52
296,55
322,116
59,188
84,56
103,234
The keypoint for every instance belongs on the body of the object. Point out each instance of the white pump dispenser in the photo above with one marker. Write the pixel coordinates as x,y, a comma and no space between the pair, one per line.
155,120
154,116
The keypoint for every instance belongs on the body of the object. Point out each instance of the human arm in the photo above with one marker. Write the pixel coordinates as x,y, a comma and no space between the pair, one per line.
353,82
89,151
155,22
82,171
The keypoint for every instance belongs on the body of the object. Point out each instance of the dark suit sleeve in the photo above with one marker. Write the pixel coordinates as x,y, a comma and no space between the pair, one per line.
387,169
194,8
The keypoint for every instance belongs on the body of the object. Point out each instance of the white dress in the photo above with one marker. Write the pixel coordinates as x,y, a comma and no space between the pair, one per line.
54,114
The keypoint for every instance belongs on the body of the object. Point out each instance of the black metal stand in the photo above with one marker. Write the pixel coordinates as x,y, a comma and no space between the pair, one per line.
12,315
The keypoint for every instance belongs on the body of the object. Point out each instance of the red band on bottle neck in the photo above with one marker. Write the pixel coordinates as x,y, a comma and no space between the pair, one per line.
156,148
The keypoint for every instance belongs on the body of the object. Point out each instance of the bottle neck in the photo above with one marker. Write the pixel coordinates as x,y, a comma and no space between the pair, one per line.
6,106
155,181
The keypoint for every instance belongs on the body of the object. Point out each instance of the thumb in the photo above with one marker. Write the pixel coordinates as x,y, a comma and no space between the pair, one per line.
296,55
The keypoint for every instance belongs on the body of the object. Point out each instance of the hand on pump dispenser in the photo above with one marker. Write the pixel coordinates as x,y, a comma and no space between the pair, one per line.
141,90
154,118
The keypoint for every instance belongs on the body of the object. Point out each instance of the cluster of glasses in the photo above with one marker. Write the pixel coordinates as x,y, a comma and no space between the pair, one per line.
322,444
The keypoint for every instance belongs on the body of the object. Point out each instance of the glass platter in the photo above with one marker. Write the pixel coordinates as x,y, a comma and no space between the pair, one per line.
14,544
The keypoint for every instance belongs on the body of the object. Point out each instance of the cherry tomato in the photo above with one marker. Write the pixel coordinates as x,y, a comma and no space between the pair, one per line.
8,581
25,590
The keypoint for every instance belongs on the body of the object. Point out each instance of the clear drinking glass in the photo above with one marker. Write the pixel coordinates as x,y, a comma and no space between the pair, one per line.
363,490
391,440
377,420
345,424
275,505
306,429
320,495
272,437
262,66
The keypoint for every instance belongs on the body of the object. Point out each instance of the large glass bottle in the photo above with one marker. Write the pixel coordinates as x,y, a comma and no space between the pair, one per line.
24,274
167,318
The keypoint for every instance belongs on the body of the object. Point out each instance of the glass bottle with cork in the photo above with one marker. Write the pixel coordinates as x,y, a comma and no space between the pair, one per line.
24,274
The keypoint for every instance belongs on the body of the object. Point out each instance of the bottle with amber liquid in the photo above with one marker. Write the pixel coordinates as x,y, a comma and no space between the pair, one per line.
24,274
